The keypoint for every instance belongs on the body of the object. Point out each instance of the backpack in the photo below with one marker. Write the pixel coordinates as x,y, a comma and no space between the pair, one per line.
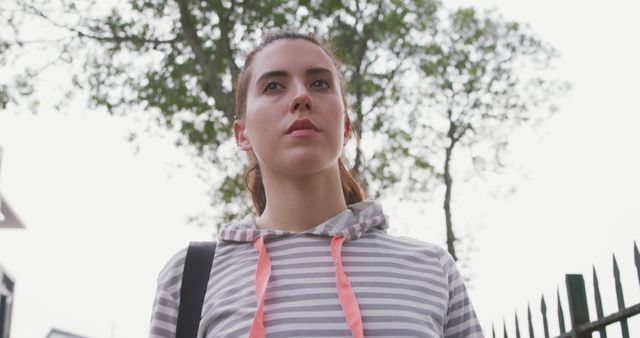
195,277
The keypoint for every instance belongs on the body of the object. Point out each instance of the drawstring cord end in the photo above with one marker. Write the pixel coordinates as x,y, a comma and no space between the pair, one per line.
347,297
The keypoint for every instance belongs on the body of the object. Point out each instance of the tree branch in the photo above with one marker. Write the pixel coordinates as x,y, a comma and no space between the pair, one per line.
116,39
37,41
224,52
391,75
210,82
461,133
126,38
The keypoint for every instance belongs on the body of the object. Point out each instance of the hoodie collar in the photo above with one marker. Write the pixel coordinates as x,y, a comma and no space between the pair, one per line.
350,223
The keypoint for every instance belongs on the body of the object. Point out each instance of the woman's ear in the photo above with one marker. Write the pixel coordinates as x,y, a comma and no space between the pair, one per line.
241,138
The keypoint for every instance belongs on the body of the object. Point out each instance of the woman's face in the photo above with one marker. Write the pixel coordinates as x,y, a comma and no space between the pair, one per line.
293,80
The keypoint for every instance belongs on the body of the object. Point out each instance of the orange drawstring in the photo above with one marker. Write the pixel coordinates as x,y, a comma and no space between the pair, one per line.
347,297
263,271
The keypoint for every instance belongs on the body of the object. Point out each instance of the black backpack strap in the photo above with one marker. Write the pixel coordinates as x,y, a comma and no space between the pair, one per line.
195,277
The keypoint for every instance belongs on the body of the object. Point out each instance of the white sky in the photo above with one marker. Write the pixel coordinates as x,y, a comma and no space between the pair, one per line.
102,221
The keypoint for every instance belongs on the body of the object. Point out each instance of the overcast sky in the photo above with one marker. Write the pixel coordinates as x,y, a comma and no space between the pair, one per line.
102,220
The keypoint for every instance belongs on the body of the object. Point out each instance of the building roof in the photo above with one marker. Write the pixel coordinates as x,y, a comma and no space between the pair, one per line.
8,218
6,283
55,333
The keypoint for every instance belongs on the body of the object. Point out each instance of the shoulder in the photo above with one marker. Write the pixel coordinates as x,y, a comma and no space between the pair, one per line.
431,253
170,277
174,265
403,243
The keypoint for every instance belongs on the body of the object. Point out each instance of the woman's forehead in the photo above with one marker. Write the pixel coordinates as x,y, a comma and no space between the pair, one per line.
290,55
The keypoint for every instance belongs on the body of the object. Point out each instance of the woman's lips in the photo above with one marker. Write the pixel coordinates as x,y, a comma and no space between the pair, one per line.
300,124
303,132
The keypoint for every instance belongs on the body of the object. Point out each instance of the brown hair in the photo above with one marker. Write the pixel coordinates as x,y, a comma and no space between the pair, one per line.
351,188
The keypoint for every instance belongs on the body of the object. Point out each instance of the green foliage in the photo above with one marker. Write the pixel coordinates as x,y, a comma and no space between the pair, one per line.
4,96
477,70
417,85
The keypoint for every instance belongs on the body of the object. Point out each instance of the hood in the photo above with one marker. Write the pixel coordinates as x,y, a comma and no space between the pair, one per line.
350,223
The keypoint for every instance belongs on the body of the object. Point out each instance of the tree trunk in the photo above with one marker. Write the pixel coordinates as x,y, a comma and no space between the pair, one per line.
448,182
357,124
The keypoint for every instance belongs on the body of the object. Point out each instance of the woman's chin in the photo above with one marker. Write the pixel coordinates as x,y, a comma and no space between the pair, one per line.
305,165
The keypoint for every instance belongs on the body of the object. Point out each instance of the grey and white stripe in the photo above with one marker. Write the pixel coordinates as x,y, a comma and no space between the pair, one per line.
404,288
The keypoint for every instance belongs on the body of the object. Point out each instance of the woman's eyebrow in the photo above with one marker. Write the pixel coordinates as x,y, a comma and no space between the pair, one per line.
318,71
273,73
282,73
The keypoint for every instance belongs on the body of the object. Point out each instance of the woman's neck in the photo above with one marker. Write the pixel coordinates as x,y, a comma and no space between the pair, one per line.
299,203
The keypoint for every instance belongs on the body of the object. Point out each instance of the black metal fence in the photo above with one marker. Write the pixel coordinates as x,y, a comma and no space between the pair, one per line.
581,324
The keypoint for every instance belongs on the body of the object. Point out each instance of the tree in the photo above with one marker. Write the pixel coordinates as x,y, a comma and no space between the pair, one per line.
485,79
175,62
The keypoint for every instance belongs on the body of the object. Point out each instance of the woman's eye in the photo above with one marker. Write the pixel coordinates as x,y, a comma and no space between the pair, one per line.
320,84
271,86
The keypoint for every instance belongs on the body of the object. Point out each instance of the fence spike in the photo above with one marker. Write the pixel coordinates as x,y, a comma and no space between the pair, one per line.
493,330
530,322
616,275
504,323
596,294
560,314
543,307
636,258
578,309
517,327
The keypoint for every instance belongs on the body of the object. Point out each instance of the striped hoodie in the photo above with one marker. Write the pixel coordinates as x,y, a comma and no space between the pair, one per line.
345,277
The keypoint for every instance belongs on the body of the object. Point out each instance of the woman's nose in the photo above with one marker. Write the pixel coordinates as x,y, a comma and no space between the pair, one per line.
301,101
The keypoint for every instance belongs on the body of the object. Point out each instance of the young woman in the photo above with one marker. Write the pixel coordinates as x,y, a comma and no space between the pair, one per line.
317,261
